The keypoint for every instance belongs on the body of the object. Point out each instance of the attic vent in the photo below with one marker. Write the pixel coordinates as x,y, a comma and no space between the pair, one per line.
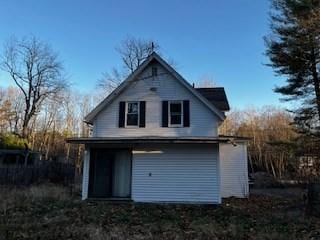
154,71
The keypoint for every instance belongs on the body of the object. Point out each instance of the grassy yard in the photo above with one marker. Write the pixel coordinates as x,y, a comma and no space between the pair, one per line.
47,212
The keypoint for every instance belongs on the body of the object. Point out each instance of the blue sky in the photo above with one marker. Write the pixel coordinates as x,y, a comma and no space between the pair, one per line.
219,39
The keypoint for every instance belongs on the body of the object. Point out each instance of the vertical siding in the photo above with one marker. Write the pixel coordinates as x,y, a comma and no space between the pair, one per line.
203,122
176,174
234,170
85,174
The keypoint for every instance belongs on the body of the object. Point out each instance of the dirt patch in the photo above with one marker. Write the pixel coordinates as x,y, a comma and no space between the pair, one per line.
290,192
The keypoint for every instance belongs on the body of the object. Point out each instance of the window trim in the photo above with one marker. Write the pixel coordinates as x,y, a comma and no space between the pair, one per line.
126,115
169,113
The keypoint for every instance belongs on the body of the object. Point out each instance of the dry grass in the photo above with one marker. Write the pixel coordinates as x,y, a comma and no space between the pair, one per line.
15,196
48,212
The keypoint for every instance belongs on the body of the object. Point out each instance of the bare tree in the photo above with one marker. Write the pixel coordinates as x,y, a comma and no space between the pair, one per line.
6,115
110,81
11,109
35,69
133,51
272,137
206,82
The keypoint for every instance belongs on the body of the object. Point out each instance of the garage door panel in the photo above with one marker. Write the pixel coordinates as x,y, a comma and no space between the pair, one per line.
176,175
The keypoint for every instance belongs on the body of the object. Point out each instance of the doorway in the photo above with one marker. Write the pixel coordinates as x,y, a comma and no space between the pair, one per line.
110,173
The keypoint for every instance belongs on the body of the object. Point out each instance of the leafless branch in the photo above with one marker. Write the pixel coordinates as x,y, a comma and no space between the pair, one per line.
35,69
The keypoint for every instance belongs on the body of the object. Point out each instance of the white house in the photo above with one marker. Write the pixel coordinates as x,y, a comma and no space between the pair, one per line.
155,139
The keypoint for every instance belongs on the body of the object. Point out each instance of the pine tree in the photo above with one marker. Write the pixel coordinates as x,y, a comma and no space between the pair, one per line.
294,52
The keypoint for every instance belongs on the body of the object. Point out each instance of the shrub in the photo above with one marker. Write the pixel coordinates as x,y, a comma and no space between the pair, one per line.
10,141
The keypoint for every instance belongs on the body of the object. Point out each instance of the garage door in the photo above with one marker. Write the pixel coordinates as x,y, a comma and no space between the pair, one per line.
176,174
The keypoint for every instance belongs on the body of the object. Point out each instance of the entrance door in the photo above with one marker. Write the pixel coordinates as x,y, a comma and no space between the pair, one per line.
101,165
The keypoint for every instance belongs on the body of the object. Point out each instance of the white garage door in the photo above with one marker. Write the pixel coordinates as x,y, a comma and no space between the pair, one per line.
176,174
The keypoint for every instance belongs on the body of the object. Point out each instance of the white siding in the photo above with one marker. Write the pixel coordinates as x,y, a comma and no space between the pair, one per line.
85,174
234,170
176,174
203,122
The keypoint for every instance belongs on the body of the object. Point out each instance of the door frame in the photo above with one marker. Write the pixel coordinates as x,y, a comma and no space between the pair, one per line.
93,153
112,151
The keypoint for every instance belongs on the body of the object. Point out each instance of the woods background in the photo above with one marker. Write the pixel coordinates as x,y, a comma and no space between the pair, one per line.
41,109
274,146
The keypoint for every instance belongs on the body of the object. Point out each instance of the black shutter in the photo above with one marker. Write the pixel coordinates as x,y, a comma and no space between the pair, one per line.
142,111
122,109
164,113
186,113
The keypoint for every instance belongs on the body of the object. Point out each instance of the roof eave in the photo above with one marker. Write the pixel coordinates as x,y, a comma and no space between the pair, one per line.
155,140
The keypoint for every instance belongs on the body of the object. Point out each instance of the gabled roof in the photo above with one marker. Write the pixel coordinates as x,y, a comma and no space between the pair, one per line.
132,77
217,96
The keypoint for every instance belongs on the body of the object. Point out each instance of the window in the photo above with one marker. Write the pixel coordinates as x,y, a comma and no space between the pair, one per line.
132,114
154,71
175,113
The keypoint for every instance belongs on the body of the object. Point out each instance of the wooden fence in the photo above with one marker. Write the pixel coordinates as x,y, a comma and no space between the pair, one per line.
313,198
53,172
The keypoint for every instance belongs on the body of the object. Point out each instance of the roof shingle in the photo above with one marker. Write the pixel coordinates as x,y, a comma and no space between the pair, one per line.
217,96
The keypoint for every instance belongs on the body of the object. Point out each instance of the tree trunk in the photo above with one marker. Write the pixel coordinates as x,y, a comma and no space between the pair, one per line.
251,164
316,81
317,91
25,130
68,152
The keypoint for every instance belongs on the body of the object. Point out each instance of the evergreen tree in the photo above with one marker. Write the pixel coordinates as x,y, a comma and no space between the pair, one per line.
294,51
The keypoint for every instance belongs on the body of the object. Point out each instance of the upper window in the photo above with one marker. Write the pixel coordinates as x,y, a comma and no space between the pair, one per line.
132,114
154,71
175,113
